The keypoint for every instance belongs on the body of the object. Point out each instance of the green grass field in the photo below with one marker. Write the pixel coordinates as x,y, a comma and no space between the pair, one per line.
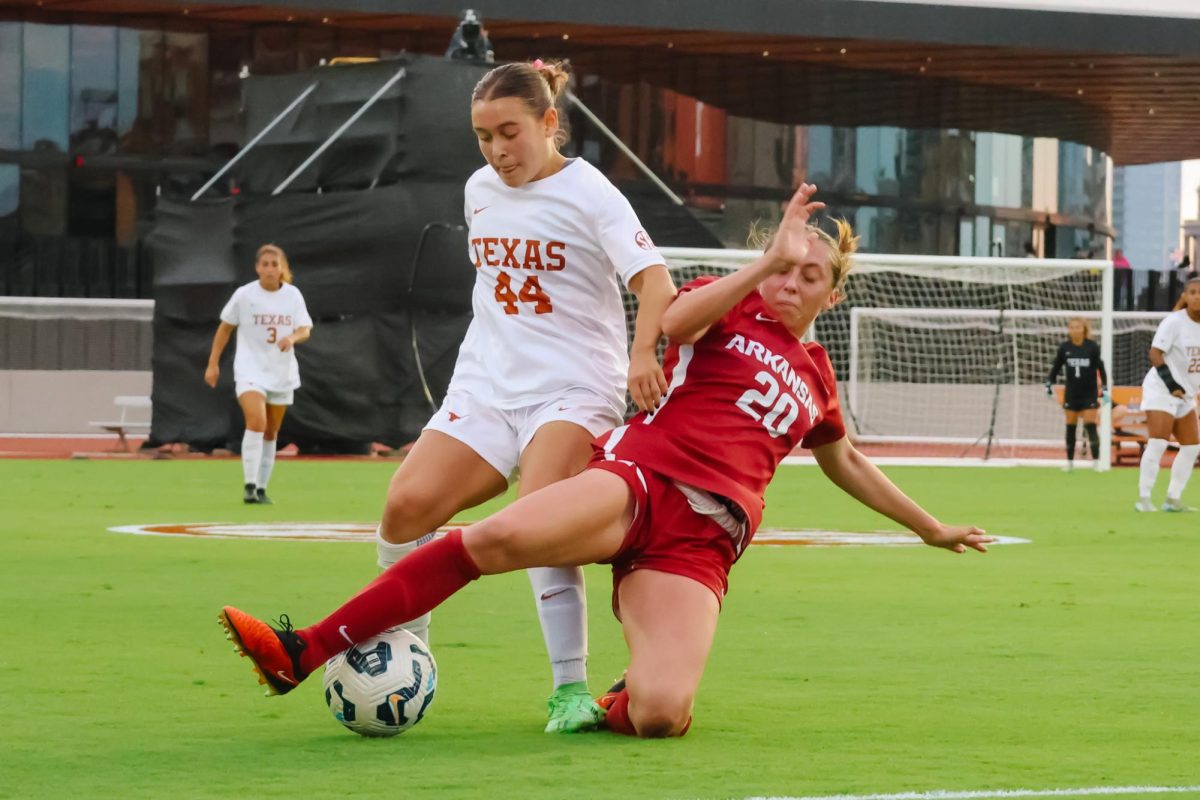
1073,661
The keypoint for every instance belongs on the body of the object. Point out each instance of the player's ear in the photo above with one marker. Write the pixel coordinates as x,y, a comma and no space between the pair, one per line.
550,121
833,299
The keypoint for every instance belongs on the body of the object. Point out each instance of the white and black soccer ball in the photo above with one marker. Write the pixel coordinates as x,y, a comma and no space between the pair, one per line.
382,686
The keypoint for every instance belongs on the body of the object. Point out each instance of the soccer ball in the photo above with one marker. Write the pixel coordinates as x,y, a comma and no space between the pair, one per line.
383,686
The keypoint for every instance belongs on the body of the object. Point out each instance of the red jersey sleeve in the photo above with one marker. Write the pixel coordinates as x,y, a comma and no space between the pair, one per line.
831,427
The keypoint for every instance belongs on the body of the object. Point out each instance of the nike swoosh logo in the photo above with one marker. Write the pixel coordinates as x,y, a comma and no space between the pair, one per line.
342,631
564,408
761,318
556,593
475,211
279,672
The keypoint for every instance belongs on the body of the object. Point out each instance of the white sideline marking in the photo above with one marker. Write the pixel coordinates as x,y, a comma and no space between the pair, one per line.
1082,465
944,794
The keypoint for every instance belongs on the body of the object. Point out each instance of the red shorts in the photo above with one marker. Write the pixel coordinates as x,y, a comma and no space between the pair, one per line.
666,534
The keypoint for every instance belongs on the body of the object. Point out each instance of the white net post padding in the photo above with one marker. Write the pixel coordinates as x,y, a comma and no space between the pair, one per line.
50,333
951,351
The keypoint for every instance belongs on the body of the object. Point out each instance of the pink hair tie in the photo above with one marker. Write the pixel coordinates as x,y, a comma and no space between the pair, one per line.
537,63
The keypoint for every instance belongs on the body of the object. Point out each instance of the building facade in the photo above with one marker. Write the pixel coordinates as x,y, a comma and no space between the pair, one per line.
99,119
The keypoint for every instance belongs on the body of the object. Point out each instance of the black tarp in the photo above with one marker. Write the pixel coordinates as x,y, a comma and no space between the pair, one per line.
375,236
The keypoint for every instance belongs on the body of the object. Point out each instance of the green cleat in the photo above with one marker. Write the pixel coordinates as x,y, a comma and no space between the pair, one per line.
572,710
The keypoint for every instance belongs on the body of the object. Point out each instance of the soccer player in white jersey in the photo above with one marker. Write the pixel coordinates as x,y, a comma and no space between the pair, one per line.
271,319
543,368
1169,399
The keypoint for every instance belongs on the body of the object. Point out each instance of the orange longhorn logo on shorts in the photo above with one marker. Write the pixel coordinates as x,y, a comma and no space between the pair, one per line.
455,417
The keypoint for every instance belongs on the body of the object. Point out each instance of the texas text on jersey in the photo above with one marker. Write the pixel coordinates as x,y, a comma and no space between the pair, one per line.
740,400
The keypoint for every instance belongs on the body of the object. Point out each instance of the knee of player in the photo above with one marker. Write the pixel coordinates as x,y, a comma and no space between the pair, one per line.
408,514
660,714
496,544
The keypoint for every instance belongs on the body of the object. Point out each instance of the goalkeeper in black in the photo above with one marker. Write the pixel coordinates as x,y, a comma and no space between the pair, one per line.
1087,385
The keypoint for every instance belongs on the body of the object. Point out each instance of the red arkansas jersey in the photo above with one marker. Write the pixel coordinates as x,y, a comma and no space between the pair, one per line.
739,400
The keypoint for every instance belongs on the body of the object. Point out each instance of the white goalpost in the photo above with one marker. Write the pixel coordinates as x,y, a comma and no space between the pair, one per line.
945,356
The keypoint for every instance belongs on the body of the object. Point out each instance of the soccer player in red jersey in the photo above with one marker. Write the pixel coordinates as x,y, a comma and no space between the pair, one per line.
670,500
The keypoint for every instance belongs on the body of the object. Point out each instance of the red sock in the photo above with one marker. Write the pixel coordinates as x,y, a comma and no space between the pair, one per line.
617,718
415,584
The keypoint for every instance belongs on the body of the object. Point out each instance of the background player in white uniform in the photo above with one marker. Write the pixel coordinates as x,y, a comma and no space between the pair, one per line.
271,319
1169,399
543,368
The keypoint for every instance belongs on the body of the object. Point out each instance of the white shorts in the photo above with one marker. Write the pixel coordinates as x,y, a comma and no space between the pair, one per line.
500,436
273,398
1155,397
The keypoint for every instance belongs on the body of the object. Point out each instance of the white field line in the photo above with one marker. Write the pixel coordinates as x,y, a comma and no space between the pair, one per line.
944,794
1082,465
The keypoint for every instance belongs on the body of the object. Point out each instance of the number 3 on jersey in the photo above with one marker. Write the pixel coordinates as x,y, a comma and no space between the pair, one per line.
531,292
783,411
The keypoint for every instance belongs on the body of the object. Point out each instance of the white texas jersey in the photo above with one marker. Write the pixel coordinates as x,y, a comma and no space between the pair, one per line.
264,318
1179,338
548,312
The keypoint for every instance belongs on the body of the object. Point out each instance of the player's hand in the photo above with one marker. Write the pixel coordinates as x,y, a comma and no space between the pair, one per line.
647,383
1178,393
211,374
1104,398
286,344
957,538
794,238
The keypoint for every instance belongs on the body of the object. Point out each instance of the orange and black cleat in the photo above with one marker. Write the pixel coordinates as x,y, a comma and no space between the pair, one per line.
275,652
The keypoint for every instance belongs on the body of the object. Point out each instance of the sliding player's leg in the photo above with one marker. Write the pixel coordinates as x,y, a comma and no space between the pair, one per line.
577,521
669,622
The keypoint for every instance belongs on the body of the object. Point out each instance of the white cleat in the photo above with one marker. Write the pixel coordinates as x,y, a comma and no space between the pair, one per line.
1144,505
1175,506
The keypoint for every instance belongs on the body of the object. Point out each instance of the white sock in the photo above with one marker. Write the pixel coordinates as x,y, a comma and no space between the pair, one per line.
1151,459
1181,470
388,554
267,464
252,448
562,610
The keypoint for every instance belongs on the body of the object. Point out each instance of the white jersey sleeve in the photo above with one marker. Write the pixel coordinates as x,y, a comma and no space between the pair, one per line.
230,314
622,237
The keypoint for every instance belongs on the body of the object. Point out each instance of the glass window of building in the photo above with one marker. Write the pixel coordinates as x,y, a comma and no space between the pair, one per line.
44,102
93,89
10,86
186,59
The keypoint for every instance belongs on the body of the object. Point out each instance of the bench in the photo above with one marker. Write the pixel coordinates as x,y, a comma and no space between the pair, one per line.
1132,427
126,403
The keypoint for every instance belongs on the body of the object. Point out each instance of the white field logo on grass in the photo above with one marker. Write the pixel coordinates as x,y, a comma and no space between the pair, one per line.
365,532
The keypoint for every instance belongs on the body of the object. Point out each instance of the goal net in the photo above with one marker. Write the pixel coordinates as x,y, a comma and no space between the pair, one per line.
945,356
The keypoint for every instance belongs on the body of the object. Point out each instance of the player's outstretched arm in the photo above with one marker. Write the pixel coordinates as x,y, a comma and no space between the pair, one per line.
693,312
213,371
858,477
654,290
